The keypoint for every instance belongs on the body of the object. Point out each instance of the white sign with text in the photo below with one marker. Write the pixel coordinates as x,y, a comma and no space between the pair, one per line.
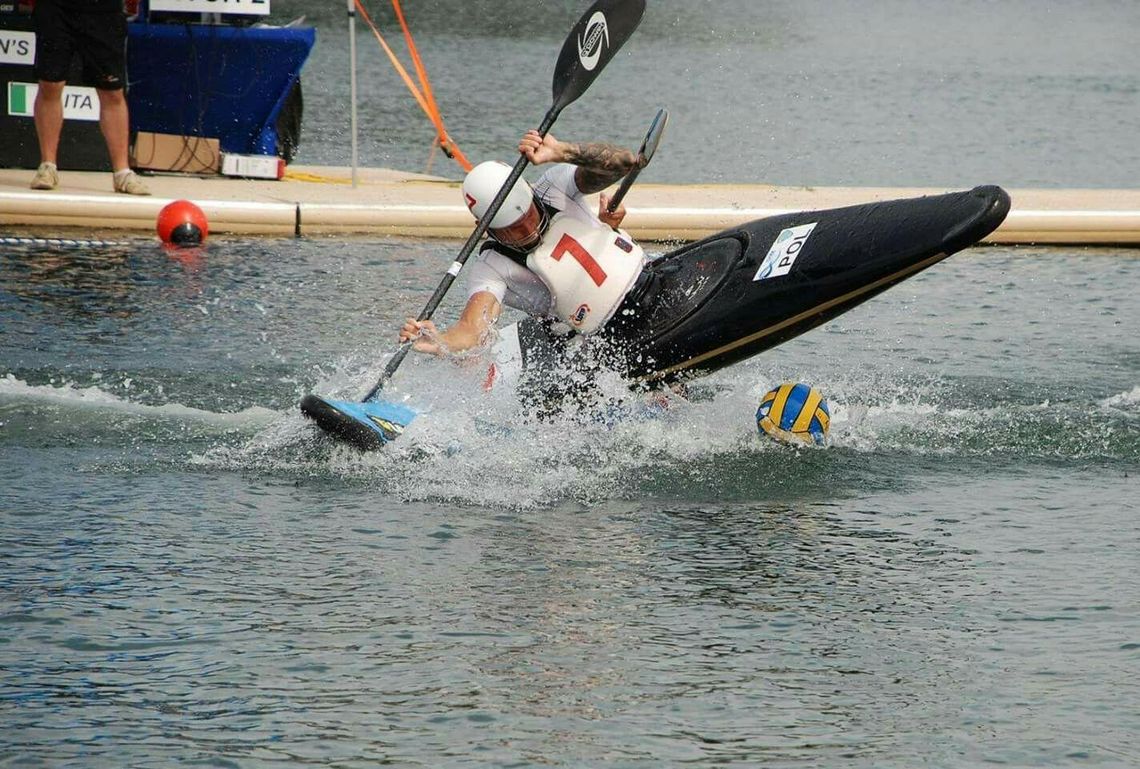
245,7
17,47
79,102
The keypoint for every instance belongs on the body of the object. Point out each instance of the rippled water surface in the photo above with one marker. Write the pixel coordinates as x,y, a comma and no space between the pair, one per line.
1024,93
189,576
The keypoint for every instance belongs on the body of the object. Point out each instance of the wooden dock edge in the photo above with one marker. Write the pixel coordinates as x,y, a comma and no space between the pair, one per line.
320,200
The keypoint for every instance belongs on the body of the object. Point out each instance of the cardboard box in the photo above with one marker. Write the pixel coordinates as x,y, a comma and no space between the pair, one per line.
179,154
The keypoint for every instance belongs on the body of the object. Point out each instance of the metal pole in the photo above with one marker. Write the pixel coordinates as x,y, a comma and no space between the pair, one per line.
352,80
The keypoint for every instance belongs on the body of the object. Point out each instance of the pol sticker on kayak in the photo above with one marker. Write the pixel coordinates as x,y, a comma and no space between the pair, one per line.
782,255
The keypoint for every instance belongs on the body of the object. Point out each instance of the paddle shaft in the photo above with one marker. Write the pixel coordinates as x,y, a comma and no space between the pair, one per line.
626,183
644,155
465,253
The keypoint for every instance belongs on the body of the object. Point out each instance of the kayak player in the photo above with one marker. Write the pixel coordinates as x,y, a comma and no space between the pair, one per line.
548,254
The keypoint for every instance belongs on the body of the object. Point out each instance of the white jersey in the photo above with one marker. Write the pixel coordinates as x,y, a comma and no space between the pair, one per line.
588,269
508,281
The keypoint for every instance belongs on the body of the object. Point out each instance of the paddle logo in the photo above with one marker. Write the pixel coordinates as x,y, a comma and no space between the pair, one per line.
591,46
390,429
782,255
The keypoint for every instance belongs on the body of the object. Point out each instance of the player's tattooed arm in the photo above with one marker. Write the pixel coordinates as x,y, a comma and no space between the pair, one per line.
599,164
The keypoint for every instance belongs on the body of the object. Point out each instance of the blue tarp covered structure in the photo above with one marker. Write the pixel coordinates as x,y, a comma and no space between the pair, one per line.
217,81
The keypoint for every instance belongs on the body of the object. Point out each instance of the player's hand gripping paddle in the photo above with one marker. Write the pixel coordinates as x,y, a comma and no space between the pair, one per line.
593,41
644,155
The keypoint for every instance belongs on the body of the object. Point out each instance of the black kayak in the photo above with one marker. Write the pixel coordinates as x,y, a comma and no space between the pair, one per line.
717,301
728,297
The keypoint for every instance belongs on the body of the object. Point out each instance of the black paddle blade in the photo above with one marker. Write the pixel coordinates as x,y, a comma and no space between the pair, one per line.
653,138
648,147
597,36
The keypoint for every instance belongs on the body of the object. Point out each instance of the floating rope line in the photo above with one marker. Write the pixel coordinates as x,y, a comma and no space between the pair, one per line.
65,242
422,93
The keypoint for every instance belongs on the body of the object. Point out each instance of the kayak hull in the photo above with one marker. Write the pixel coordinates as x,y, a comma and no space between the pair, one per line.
773,279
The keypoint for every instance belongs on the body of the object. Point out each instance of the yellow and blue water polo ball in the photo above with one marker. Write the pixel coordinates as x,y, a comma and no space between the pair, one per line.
794,412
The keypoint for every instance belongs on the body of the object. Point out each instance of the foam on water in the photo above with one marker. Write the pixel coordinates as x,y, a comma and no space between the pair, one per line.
482,448
1125,401
74,399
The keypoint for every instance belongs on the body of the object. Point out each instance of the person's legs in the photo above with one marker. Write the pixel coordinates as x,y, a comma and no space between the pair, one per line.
49,119
53,59
113,119
114,122
101,44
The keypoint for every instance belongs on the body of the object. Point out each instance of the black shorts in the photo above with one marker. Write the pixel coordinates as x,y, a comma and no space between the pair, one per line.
98,38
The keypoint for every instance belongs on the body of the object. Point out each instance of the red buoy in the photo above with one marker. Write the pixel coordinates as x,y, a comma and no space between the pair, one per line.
182,223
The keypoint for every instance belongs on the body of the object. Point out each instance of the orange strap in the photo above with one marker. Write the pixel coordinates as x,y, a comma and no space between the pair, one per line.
425,98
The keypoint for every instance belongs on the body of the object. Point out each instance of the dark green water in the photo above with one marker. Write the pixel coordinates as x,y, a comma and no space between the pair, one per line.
190,577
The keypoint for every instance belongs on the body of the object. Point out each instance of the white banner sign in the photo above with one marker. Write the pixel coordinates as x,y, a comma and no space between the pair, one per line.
17,47
79,103
246,7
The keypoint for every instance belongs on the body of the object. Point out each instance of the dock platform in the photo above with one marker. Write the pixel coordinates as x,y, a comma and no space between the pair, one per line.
315,200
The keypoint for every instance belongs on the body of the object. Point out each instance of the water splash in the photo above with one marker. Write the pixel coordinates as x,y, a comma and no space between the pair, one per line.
70,412
1125,401
485,448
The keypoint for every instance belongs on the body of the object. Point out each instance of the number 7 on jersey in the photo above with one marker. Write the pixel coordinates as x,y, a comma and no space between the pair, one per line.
567,245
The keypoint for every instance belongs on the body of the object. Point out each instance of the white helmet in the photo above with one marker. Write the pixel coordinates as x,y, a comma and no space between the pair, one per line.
481,185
